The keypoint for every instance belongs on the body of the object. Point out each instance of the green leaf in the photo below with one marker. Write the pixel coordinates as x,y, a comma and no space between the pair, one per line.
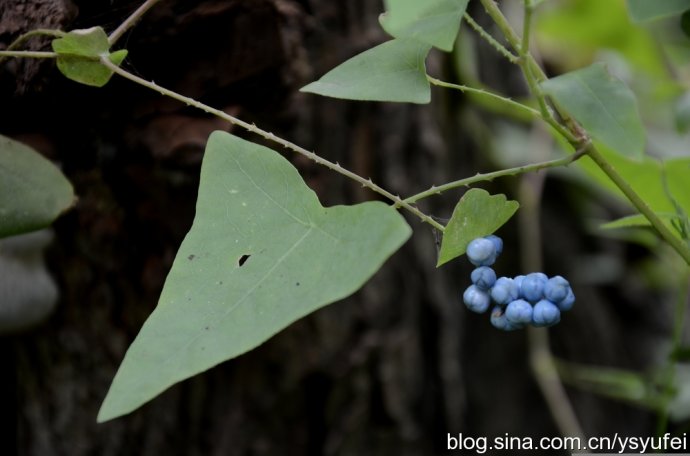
603,105
477,214
33,192
261,254
392,71
647,10
79,52
92,42
433,22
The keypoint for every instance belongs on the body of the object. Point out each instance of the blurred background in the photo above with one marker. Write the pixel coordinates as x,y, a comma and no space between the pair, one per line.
399,365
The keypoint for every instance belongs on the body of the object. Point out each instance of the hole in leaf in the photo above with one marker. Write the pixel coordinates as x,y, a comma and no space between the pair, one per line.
243,259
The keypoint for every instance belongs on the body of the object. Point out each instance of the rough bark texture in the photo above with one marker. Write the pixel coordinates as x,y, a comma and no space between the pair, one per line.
388,371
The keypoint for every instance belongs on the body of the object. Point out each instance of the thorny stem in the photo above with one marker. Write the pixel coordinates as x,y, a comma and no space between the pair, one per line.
493,175
28,54
130,21
271,137
16,44
490,39
485,93
539,114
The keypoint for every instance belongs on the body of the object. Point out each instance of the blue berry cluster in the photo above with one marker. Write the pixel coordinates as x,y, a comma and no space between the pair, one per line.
526,299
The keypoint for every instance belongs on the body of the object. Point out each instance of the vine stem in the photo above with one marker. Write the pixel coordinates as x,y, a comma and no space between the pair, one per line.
29,54
543,115
484,93
130,21
398,202
493,175
512,58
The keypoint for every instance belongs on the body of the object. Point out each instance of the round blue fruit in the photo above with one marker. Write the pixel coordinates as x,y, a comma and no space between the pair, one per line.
504,291
532,286
545,313
481,252
498,243
556,289
475,299
519,312
483,277
499,320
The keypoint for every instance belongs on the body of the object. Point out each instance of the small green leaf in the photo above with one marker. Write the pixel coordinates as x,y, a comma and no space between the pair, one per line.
477,214
392,71
433,22
33,192
261,254
79,52
648,10
605,106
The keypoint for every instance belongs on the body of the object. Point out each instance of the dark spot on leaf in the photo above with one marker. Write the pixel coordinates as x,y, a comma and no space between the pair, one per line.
297,284
243,259
206,328
191,257
220,283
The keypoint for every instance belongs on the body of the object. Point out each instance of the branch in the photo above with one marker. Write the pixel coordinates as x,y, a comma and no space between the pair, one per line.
130,21
493,175
512,58
398,202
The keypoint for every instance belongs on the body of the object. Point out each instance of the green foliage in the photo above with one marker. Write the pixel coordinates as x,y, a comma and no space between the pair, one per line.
647,10
33,192
433,22
262,253
79,52
392,71
646,177
603,105
477,214
564,40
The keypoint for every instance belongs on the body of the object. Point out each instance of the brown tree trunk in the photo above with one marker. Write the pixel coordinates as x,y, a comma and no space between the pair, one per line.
389,371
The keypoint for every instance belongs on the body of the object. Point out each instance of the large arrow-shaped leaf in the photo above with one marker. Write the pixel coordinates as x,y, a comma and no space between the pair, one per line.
262,253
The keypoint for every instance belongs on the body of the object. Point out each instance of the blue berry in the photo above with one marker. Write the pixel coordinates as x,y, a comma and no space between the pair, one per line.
498,243
476,300
481,252
556,289
483,277
545,313
532,286
499,320
504,291
567,302
519,312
